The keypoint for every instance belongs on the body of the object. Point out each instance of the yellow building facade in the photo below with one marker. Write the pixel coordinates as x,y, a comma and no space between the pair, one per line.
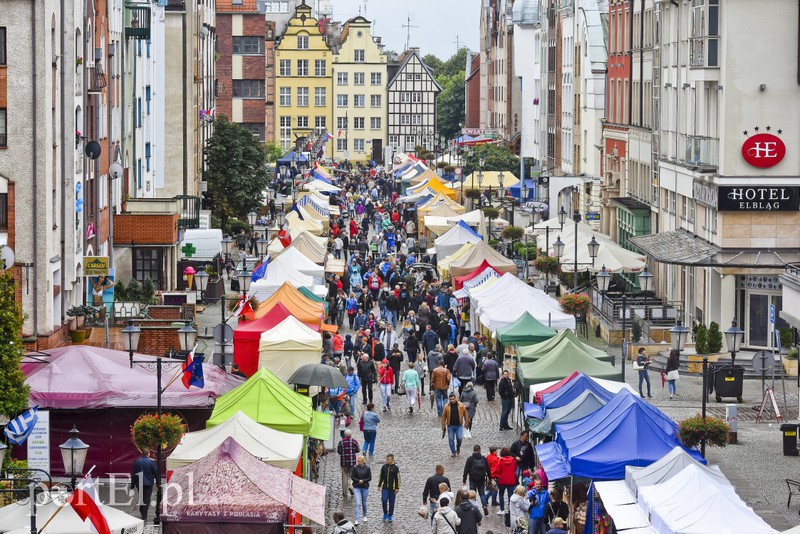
303,80
359,106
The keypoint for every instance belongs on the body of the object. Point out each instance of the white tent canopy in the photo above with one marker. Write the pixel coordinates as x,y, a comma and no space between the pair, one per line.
688,482
294,259
271,446
665,468
454,238
16,519
277,274
287,347
319,185
308,223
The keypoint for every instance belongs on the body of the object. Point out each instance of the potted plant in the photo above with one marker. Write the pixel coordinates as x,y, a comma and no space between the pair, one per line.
547,265
702,349
83,331
692,430
790,361
577,304
151,430
512,233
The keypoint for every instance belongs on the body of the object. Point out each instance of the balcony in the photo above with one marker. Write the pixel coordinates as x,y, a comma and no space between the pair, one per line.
702,152
173,5
79,161
137,21
189,211
96,79
525,13
704,52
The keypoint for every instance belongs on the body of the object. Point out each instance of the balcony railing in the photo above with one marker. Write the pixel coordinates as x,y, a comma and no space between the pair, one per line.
173,5
702,151
137,21
704,52
97,79
655,312
189,211
526,13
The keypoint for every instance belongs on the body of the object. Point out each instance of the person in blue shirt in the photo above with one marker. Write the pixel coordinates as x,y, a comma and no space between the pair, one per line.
353,385
539,498
144,476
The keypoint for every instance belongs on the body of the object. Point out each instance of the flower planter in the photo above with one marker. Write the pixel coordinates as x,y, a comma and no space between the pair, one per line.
789,365
214,290
695,364
78,336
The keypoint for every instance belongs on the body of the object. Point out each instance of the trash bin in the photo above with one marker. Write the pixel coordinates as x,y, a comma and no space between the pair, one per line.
789,431
728,380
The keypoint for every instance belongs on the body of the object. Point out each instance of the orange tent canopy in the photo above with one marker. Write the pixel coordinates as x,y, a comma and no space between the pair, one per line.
303,308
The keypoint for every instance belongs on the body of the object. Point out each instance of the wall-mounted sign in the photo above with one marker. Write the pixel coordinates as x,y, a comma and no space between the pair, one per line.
705,193
534,206
592,215
763,198
763,150
95,265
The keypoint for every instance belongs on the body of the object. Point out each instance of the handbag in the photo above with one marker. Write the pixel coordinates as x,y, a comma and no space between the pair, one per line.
467,434
361,423
401,389
673,375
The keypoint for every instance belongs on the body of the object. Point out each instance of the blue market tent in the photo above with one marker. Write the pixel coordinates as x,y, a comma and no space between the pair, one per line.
529,184
566,394
292,156
626,431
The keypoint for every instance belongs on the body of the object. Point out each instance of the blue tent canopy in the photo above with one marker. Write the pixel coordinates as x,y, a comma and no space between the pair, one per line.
626,431
566,394
515,189
466,227
292,156
424,200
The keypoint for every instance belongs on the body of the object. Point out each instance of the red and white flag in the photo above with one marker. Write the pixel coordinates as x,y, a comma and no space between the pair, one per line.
243,307
86,503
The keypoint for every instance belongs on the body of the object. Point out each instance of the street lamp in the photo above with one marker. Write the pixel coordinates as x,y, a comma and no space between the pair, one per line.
562,217
245,277
73,453
187,336
261,246
645,277
679,334
130,338
558,247
733,339
227,242
603,280
252,216
480,189
201,280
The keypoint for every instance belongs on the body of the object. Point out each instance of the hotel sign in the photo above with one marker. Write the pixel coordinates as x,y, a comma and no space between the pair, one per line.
762,198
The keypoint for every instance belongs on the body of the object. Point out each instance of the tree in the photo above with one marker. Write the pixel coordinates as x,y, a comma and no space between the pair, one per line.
12,382
450,104
433,63
701,339
236,170
496,158
272,152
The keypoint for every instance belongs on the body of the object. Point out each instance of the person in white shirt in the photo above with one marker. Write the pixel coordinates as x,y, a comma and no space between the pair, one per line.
389,336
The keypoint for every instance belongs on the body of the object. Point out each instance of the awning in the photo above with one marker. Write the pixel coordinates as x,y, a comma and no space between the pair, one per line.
680,247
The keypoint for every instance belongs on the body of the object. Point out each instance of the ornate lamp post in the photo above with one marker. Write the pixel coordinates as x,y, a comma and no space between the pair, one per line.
201,280
73,453
733,339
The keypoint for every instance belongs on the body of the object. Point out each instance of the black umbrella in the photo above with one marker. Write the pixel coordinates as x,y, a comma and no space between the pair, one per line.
318,374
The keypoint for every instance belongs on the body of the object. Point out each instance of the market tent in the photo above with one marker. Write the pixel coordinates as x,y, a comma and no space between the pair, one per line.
626,431
565,343
444,210
474,218
16,518
585,404
690,482
427,175
279,273
437,225
311,247
247,336
335,266
565,391
237,488
319,185
562,362
288,346
477,255
271,446
516,189
316,204
524,331
308,223
291,157
539,390
455,238
270,402
292,258
490,179
302,307
483,276
666,468
443,264
478,273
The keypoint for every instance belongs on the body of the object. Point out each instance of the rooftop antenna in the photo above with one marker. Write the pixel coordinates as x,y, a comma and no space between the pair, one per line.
458,44
365,8
408,27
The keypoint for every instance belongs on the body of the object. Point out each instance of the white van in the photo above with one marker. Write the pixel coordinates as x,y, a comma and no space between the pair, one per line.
206,244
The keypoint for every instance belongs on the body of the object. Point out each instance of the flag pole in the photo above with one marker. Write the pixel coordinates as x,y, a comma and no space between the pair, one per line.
64,504
177,374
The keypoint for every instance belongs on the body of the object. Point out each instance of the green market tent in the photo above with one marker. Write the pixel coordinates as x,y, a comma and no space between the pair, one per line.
526,330
564,339
267,400
562,361
310,294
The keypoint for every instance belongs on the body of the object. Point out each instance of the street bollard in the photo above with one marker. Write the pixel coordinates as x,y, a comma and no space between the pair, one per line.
730,417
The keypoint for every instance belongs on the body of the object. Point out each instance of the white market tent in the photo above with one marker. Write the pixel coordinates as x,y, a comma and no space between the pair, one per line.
319,185
287,347
294,259
268,445
666,468
308,223
488,179
313,247
455,238
277,274
443,264
689,481
16,519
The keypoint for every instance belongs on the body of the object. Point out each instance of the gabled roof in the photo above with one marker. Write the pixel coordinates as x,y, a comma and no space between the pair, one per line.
404,59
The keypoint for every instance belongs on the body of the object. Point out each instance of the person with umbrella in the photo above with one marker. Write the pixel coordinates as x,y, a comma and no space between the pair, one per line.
412,384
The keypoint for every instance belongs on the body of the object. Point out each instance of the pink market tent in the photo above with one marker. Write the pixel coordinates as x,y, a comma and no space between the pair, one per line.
459,280
231,491
96,390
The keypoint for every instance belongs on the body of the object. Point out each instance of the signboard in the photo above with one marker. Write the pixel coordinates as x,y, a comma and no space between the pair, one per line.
763,150
705,193
477,131
458,171
592,215
758,198
39,443
772,314
95,265
534,206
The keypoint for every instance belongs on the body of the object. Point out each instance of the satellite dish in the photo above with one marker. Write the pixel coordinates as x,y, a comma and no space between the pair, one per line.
92,150
6,257
115,170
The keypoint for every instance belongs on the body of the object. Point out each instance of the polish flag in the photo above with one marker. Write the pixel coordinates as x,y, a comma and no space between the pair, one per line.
86,503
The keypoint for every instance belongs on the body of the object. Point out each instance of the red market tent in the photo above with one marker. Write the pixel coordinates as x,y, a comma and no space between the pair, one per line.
555,386
459,280
247,335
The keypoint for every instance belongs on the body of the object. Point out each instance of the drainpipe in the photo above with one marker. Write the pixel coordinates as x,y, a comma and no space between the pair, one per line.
630,63
185,108
64,179
34,175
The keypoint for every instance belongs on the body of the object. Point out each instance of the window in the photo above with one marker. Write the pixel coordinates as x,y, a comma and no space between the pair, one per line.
148,263
341,123
416,120
358,78
237,2
302,122
255,128
302,42
320,97
375,123
302,67
358,101
3,127
277,6
139,111
394,141
341,101
416,98
250,44
405,98
4,211
358,56
375,78
375,101
147,156
320,124
147,97
2,45
248,88
320,67
302,96
358,145
405,120
341,144
358,123
285,99
341,78
285,132
285,67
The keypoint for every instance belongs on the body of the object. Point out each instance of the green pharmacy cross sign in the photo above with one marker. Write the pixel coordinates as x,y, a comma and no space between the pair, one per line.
188,250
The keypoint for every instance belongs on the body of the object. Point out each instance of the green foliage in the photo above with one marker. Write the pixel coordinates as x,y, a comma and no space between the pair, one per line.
12,382
693,429
474,194
143,293
547,264
150,430
512,232
793,353
449,169
786,336
496,158
433,63
519,249
272,152
450,109
235,226
576,304
701,339
236,170
714,338
636,331
491,213
148,291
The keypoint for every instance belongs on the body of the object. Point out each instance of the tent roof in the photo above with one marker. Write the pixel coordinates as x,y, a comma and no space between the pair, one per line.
690,481
476,273
490,179
291,156
477,255
534,352
443,210
585,404
537,396
81,376
307,223
272,446
664,469
454,238
302,307
254,492
310,246
567,392
270,402
524,330
292,258
428,175
563,361
437,199
291,334
14,517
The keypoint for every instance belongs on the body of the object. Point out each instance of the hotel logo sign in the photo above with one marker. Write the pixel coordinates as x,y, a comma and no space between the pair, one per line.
763,150
764,198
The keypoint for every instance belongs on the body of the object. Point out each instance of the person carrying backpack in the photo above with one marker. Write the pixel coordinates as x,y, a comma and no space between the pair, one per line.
477,470
342,526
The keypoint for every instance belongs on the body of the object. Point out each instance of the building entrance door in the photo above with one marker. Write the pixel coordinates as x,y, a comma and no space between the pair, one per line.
757,311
